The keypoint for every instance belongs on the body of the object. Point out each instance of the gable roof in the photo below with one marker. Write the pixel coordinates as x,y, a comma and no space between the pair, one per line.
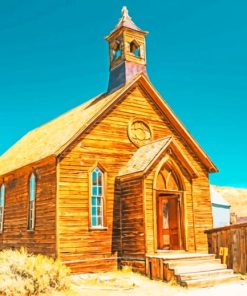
146,156
48,139
55,136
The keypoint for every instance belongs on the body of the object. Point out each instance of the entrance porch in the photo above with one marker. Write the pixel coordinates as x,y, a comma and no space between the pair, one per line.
188,269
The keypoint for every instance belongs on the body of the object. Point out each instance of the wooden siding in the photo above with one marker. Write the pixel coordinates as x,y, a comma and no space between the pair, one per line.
202,211
107,143
15,233
234,238
132,216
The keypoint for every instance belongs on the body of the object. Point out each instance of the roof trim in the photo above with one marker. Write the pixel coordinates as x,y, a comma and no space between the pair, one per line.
151,90
147,86
33,164
175,150
115,98
158,154
180,155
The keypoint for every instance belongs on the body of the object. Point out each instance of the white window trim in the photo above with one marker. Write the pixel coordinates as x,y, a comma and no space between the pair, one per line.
2,197
31,202
102,196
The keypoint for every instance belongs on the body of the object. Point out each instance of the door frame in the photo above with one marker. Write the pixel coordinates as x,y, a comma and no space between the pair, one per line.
180,213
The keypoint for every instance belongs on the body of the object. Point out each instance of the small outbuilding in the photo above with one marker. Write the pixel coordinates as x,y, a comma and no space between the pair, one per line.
220,209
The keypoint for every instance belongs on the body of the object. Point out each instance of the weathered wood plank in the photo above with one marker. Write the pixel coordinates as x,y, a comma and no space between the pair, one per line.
15,233
234,238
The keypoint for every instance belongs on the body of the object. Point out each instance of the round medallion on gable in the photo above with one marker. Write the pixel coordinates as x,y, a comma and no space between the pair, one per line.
139,132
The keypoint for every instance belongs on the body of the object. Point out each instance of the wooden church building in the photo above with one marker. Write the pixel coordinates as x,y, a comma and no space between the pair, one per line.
113,180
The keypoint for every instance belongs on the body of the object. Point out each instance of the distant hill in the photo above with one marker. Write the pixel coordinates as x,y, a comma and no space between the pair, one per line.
236,197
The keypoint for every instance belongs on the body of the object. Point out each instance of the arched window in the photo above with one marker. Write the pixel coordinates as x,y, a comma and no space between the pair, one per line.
2,198
32,196
168,179
97,198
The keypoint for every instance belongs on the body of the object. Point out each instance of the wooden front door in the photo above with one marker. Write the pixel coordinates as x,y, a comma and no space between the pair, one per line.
168,222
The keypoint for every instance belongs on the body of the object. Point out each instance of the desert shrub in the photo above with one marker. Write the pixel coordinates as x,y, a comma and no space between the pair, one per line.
26,274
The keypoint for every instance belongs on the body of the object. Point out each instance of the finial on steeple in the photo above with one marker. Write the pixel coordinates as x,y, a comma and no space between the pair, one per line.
126,21
125,13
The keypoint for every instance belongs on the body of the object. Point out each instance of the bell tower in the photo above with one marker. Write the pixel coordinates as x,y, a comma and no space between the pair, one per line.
127,51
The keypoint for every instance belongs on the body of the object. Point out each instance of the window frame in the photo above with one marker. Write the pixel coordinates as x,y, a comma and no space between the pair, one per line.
103,198
2,205
32,192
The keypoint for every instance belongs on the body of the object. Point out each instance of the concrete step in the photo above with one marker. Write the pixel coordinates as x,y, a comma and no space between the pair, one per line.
207,282
191,262
198,268
204,274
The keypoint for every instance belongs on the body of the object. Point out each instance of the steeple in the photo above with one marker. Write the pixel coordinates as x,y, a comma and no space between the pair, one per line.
127,51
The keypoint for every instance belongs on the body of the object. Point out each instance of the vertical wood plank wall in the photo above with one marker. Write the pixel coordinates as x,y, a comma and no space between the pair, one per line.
15,233
202,211
234,238
133,235
132,224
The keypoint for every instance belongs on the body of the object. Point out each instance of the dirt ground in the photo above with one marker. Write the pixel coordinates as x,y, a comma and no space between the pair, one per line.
132,284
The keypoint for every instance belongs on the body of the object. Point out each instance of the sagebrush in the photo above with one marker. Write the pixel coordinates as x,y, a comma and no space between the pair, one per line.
22,273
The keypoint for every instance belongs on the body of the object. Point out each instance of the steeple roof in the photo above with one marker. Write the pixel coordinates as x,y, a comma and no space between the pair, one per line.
126,22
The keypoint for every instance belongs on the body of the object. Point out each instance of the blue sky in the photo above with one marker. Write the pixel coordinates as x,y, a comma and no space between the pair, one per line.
53,57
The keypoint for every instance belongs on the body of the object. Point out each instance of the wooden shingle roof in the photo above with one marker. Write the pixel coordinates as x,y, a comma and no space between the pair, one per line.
144,156
143,159
55,136
48,139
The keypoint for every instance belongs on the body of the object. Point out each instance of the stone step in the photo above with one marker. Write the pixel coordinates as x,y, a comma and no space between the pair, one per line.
198,268
204,274
207,282
176,263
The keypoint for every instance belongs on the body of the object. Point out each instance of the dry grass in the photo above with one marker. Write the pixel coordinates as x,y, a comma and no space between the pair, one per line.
26,274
